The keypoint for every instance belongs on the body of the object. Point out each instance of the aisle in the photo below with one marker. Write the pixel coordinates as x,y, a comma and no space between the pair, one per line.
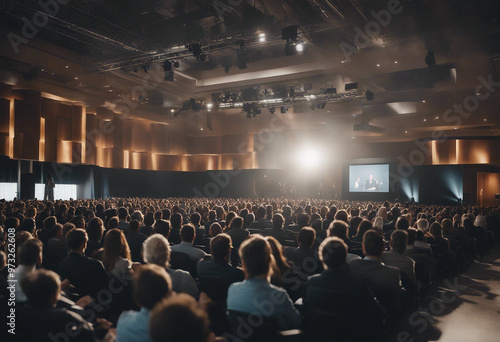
466,308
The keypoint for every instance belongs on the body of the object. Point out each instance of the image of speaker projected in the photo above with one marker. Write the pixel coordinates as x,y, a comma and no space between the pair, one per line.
369,178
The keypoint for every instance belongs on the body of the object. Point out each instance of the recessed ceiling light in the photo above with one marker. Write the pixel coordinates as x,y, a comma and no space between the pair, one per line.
423,101
76,78
172,110
395,62
484,120
299,47
378,65
425,120
42,69
477,94
455,128
201,129
53,74
67,66
354,137
437,117
406,132
111,90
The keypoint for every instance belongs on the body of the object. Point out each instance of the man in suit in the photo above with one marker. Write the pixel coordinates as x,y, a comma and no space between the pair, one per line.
40,318
218,266
188,236
371,184
261,222
135,239
304,256
396,257
277,231
372,268
87,275
175,229
339,291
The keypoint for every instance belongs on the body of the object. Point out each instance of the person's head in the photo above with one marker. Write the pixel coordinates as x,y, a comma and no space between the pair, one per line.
122,213
176,221
287,211
220,247
306,237
77,240
151,283
195,219
363,227
137,216
423,225
162,227
113,223
215,229
30,253
28,225
371,177
249,219
378,223
402,223
341,215
115,247
261,213
49,222
447,226
333,253
339,229
179,318
149,218
373,244
211,215
436,230
236,223
382,212
412,236
277,252
42,288
302,219
399,240
156,250
229,218
255,255
95,229
188,233
134,226
56,231
12,222
278,221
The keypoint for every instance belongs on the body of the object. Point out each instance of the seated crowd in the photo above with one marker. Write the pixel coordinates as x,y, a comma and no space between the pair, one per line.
191,269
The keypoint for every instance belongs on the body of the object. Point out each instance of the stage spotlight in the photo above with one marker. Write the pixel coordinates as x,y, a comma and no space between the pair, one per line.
146,67
308,158
283,110
242,60
195,48
299,47
272,110
262,37
176,64
351,86
369,95
226,63
322,105
429,59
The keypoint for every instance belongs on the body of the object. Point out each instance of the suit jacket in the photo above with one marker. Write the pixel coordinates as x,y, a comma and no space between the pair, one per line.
377,274
175,236
238,236
135,241
306,259
219,269
404,263
261,224
88,276
279,234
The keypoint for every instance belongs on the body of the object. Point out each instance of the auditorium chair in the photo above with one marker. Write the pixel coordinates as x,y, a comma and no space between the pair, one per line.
254,328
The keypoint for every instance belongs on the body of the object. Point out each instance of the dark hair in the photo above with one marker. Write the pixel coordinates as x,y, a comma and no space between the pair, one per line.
150,285
134,226
220,246
374,243
40,287
278,221
12,222
49,222
176,220
338,228
236,223
402,223
399,240
412,236
261,212
363,227
29,252
255,254
178,318
162,227
306,237
436,230
28,225
112,223
122,213
149,218
137,215
303,219
195,218
76,237
188,232
215,229
333,252
57,228
341,215
95,229
249,219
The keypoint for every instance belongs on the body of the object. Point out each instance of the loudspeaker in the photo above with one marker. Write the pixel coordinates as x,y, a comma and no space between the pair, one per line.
27,186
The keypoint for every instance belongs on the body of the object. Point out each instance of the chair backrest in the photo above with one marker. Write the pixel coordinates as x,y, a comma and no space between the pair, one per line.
326,326
216,288
182,261
255,231
252,328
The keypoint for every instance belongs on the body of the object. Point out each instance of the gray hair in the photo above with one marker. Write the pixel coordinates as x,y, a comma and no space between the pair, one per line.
423,224
156,250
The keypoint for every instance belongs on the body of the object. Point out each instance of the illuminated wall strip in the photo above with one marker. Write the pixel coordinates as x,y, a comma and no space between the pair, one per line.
11,129
435,156
41,149
457,151
84,134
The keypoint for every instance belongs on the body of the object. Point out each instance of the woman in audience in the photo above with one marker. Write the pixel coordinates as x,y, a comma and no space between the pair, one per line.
116,257
436,238
95,230
363,227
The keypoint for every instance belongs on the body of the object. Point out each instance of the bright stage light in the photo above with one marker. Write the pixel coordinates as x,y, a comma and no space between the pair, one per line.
309,158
